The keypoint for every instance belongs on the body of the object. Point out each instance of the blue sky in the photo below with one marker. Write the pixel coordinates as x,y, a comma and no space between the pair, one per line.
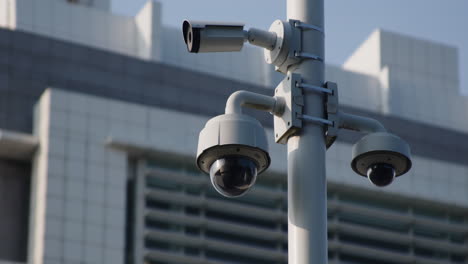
348,22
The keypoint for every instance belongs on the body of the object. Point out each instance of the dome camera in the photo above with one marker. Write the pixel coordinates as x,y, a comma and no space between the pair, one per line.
381,157
233,150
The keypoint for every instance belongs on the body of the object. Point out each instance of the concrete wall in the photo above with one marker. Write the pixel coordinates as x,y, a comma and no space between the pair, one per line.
79,185
81,204
79,23
419,79
104,5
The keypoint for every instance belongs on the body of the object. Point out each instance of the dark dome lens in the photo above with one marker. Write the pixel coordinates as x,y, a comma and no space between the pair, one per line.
233,176
381,174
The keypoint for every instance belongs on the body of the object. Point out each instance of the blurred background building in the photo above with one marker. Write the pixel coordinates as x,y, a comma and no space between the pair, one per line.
99,122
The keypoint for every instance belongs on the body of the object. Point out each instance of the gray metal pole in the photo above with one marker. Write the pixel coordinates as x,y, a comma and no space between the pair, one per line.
307,186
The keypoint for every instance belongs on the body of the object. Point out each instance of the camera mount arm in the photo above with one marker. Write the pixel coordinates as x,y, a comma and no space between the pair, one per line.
240,99
359,123
261,38
292,90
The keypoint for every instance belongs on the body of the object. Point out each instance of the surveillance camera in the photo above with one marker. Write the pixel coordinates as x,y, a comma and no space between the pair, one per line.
381,157
213,37
233,149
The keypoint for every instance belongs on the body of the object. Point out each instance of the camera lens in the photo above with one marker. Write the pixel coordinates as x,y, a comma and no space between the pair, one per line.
381,174
192,39
233,176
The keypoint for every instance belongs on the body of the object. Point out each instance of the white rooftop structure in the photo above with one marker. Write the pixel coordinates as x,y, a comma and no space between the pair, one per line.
385,59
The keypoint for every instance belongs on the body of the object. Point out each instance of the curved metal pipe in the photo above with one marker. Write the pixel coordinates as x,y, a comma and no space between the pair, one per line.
240,99
359,123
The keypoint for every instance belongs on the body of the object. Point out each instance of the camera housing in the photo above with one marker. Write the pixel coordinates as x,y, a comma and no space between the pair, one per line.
233,150
381,157
200,36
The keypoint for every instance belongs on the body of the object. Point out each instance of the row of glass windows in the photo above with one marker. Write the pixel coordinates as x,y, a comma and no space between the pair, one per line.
360,199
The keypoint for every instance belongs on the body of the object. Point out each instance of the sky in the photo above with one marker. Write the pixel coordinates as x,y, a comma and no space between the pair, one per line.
348,22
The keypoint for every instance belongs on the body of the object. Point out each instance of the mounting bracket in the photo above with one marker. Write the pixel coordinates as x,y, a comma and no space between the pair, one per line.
288,122
332,113
290,92
287,50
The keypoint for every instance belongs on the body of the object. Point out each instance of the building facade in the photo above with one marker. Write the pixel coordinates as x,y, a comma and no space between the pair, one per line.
99,122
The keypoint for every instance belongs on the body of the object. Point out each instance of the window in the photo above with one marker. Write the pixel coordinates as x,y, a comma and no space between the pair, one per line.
14,202
186,219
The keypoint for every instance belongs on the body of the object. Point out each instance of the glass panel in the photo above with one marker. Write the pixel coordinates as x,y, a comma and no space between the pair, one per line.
345,258
382,202
157,183
374,222
427,232
368,242
236,218
231,258
262,243
428,253
374,201
429,213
